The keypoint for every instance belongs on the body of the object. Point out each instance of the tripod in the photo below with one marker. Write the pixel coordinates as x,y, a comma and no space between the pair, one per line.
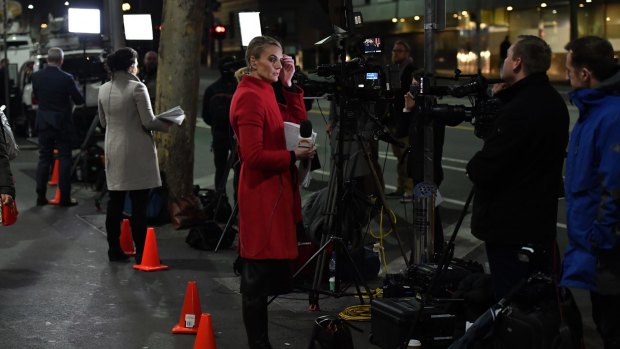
335,209
85,143
233,160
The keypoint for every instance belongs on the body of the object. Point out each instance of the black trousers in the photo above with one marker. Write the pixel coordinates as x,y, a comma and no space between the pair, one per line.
255,319
114,217
605,313
507,270
49,139
220,160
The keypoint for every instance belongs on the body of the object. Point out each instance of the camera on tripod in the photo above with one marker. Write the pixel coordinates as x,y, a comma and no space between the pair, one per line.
357,78
482,112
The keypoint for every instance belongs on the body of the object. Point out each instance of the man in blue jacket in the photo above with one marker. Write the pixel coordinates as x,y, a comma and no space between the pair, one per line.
55,89
592,259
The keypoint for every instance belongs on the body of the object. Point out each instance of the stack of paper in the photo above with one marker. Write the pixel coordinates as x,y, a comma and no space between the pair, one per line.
175,115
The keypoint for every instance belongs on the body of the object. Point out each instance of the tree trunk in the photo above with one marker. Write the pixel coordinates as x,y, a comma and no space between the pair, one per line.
177,84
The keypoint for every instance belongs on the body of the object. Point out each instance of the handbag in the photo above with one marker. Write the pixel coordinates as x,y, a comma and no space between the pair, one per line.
186,212
9,214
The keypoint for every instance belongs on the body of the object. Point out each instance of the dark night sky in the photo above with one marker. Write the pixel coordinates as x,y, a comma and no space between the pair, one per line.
57,7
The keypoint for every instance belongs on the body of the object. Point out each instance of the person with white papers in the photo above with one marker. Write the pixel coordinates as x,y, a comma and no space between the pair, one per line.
130,155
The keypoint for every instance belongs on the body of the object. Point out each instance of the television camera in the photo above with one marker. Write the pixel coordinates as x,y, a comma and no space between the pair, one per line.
481,113
357,78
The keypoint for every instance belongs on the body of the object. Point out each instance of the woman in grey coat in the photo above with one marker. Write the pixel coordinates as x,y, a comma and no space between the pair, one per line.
130,154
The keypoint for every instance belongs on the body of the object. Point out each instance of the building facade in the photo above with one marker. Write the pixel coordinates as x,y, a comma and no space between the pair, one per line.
471,40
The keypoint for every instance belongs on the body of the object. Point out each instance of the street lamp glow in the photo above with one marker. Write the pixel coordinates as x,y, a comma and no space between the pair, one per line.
43,25
126,6
416,18
588,1
402,20
543,5
608,19
30,6
581,5
394,20
509,8
464,13
66,3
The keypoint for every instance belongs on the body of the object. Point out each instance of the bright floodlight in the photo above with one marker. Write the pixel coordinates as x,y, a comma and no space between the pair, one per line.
250,26
138,27
82,20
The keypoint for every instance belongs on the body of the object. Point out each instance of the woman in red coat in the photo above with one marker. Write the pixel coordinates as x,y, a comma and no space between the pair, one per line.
269,202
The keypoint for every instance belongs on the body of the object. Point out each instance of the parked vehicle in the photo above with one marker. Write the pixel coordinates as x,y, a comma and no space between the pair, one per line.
87,68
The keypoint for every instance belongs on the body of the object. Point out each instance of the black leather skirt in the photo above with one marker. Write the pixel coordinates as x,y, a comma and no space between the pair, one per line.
265,277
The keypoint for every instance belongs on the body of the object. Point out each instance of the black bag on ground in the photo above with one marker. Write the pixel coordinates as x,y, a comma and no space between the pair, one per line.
540,317
331,332
215,205
217,210
206,236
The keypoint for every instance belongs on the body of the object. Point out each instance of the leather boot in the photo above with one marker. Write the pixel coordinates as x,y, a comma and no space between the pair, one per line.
255,319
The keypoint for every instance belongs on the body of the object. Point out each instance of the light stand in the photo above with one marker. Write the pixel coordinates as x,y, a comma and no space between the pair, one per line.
84,22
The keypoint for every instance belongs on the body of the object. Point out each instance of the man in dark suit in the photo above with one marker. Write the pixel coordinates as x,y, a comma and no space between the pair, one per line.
55,90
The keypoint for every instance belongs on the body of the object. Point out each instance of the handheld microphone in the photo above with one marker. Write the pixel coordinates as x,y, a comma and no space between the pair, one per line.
305,134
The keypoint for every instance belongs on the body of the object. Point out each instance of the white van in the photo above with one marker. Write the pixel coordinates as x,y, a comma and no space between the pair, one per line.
20,48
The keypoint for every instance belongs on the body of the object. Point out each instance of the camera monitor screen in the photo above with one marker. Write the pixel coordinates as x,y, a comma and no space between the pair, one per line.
372,76
372,45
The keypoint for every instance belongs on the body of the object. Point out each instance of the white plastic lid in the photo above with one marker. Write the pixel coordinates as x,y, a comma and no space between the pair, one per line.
414,342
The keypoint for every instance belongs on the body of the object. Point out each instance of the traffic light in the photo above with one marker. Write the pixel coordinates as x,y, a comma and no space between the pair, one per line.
219,32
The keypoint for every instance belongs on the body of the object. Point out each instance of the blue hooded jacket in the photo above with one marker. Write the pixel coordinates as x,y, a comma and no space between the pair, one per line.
593,184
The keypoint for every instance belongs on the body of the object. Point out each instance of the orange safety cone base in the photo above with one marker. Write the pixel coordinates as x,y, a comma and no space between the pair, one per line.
150,268
178,329
191,306
205,339
54,179
150,258
127,239
56,199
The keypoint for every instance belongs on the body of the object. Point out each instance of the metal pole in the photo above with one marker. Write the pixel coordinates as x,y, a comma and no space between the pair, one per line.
117,38
7,94
478,41
424,203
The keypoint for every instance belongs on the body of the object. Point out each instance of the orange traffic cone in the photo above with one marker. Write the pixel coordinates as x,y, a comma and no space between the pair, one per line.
150,258
127,239
56,199
205,339
54,180
190,315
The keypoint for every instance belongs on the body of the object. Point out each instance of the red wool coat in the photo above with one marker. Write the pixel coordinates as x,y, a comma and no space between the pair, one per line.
269,203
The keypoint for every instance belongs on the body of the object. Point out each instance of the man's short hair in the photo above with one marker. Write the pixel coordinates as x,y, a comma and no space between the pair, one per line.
594,53
534,52
55,55
403,44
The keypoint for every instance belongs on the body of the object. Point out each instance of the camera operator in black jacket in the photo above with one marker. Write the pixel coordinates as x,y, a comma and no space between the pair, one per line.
215,112
517,175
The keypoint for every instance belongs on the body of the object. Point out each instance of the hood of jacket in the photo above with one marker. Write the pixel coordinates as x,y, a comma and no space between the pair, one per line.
587,98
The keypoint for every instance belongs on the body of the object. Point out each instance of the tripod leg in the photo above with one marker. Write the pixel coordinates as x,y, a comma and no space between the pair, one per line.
227,227
358,275
382,199
89,134
229,164
328,228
